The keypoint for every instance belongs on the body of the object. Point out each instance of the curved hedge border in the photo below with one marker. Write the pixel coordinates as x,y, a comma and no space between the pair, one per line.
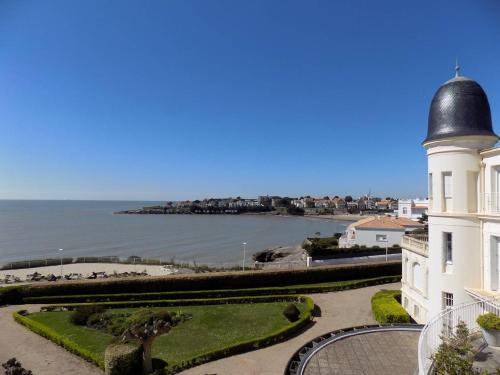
386,309
234,349
223,293
56,338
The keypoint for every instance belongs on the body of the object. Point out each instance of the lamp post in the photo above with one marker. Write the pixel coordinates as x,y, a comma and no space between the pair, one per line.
60,252
244,254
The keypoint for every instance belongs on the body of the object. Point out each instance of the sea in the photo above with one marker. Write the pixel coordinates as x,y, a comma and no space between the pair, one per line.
36,229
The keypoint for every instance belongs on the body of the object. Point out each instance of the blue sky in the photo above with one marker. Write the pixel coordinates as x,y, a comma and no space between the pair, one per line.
183,99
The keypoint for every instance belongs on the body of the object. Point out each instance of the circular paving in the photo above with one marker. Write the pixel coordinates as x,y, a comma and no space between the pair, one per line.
370,350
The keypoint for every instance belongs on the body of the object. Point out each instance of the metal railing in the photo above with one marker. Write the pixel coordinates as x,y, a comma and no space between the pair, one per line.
416,242
490,203
444,324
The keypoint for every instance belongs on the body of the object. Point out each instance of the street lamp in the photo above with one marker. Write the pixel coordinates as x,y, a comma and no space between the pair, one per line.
244,254
60,252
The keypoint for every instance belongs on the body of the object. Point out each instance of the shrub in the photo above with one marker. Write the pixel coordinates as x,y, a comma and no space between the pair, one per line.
386,309
455,354
489,321
14,367
123,359
292,313
82,314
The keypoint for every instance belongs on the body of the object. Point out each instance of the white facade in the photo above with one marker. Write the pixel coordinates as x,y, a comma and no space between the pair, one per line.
412,208
463,255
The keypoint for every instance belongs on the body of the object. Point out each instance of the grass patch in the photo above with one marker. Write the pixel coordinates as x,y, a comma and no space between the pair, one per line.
387,309
213,332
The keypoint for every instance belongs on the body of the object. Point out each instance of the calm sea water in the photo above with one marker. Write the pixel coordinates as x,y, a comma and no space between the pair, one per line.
36,229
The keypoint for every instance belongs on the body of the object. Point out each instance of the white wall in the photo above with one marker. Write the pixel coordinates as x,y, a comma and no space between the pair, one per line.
368,237
413,292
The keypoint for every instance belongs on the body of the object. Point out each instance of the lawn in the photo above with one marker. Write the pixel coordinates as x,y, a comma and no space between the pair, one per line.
211,327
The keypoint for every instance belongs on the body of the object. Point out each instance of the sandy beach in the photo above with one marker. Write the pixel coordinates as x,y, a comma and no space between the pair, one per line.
86,269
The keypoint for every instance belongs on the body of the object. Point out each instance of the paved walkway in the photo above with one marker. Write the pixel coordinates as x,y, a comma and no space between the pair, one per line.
36,353
375,353
339,310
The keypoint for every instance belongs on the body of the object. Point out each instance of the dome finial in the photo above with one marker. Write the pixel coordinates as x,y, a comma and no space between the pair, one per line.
457,68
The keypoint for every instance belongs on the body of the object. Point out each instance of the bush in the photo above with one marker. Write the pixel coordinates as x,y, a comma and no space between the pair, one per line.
386,309
489,321
123,359
292,313
14,367
219,281
82,314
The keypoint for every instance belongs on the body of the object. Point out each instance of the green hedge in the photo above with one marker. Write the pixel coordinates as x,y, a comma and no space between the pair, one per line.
222,293
234,349
11,295
386,309
56,338
175,302
223,280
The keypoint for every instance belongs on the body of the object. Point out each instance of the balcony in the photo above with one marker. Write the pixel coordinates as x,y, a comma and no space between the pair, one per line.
417,243
490,203
446,322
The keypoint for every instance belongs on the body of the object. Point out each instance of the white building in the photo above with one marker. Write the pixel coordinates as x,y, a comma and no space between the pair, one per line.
412,208
377,231
459,261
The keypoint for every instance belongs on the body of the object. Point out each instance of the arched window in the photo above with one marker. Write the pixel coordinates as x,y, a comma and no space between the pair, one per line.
417,276
416,311
405,210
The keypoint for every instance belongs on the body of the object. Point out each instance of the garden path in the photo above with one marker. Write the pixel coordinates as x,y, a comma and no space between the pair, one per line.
338,310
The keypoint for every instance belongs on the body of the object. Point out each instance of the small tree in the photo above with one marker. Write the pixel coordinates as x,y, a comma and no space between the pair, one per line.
455,355
145,326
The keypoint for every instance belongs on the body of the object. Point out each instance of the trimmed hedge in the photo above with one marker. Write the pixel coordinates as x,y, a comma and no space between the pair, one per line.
123,359
234,349
56,338
223,293
175,302
223,280
11,295
386,309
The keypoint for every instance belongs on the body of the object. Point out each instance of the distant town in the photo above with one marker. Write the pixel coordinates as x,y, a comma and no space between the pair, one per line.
305,205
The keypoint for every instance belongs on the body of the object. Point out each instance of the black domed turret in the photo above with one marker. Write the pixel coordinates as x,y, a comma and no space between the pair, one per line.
459,108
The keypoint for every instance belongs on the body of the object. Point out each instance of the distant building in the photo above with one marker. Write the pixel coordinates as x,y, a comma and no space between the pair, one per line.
412,208
378,231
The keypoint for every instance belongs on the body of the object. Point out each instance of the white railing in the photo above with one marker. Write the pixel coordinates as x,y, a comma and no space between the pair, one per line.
490,203
418,243
445,323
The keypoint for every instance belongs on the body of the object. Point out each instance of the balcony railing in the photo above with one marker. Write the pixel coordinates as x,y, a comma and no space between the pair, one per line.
490,203
444,324
418,243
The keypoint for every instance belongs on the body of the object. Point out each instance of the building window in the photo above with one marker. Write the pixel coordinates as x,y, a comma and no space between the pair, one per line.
447,187
405,302
447,300
430,186
405,211
417,276
447,248
416,311
381,238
